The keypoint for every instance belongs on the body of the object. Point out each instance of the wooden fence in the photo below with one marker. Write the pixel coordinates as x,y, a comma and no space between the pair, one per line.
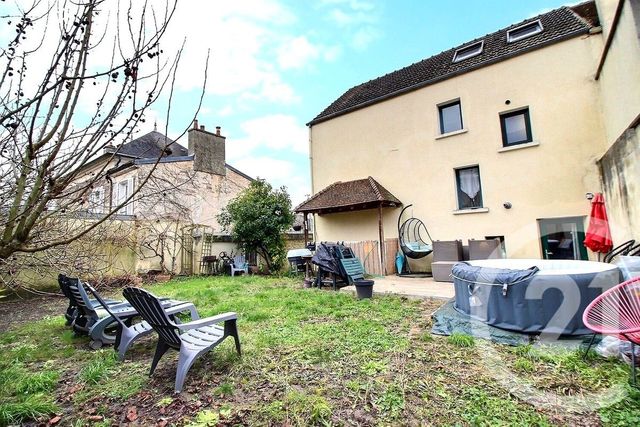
369,253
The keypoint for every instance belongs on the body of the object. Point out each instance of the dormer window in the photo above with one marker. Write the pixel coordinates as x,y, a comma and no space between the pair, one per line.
524,31
468,51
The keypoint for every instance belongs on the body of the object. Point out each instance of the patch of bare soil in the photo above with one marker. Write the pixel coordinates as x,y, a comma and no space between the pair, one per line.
22,310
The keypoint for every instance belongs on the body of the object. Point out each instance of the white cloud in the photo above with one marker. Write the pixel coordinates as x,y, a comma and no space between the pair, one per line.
331,53
275,90
273,132
296,52
363,37
226,111
353,4
271,169
251,43
277,172
358,20
299,52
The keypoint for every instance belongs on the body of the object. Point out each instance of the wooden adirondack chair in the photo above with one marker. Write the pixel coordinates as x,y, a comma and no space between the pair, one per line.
190,339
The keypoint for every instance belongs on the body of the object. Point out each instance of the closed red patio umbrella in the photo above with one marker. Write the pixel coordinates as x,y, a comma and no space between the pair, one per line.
598,236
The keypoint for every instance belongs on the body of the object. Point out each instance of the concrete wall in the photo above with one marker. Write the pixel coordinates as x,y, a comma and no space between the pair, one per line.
397,142
619,84
620,169
620,77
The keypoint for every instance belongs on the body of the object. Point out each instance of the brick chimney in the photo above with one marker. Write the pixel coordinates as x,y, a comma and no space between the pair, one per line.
208,150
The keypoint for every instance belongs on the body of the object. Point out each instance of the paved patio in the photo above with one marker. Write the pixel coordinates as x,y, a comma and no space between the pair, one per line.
410,287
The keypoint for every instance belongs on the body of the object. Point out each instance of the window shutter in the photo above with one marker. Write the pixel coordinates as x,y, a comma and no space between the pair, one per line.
100,200
114,196
129,209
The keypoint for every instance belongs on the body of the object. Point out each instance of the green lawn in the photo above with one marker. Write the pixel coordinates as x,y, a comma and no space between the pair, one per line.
309,358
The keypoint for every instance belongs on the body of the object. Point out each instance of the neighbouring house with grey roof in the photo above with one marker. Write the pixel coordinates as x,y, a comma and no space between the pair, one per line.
502,136
175,194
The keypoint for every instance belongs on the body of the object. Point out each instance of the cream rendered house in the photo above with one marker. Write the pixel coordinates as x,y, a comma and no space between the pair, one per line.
177,205
503,136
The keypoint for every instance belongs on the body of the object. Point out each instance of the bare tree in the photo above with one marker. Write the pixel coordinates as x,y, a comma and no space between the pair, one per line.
96,255
77,77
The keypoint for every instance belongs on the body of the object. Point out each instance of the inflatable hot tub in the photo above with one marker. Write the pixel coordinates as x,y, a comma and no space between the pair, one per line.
531,295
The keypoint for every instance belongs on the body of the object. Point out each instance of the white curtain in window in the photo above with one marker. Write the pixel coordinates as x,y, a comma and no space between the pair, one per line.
470,182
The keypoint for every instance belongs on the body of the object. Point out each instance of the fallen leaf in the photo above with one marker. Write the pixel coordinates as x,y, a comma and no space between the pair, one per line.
95,418
132,413
55,420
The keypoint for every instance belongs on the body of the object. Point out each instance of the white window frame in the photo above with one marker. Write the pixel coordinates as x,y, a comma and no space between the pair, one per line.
96,201
458,58
123,190
524,36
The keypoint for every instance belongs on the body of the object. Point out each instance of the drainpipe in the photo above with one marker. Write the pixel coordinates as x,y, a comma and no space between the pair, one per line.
311,160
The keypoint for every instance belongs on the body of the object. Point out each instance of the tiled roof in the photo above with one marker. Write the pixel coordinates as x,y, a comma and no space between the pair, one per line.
559,24
151,146
351,195
147,149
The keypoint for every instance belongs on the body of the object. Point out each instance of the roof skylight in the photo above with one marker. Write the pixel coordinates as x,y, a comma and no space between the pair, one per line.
524,31
468,51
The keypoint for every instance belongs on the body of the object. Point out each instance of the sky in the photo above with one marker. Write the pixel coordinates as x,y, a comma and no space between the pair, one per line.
276,64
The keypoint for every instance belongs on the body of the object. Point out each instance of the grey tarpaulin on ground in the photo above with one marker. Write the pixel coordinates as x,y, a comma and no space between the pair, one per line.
629,266
447,320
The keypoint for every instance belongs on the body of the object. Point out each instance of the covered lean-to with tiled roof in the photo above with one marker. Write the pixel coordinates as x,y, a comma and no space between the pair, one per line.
558,25
347,196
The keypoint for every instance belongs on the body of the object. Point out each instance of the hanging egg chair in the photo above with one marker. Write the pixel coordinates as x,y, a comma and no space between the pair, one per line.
411,236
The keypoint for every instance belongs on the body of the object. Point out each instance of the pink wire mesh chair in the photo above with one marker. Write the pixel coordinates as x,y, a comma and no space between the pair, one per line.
617,312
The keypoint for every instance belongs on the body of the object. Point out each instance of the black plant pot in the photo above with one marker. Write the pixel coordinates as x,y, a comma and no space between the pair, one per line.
364,288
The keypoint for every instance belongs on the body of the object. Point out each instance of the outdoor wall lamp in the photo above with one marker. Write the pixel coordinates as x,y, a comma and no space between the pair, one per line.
507,205
589,196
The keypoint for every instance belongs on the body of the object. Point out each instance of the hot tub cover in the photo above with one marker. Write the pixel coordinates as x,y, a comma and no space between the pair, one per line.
549,300
488,276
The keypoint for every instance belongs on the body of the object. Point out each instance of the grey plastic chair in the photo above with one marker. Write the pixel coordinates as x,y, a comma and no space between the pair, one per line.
72,310
128,332
102,324
190,339
239,264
